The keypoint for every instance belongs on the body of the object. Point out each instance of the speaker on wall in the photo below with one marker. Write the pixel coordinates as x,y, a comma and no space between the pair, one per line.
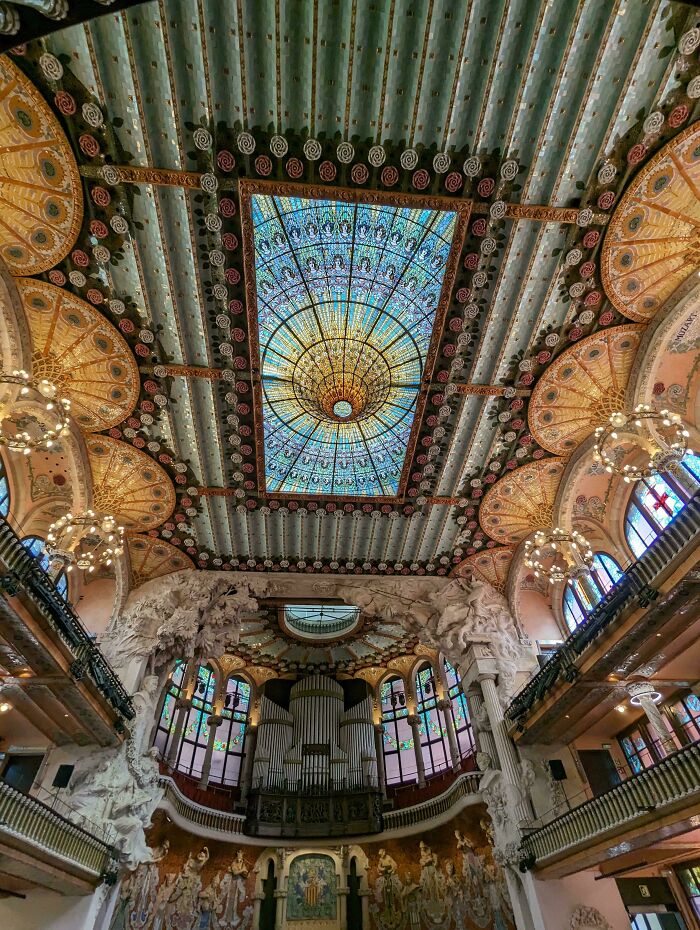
556,767
62,776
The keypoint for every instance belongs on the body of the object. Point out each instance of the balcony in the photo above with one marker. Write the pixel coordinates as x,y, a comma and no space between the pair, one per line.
654,805
68,671
222,825
646,612
41,847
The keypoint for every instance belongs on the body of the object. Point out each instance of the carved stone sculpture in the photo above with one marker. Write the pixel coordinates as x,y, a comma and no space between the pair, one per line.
588,918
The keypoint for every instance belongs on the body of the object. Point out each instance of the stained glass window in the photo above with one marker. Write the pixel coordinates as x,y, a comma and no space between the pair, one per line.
432,727
687,712
35,546
399,753
229,742
347,296
689,874
460,711
4,491
654,502
229,745
580,597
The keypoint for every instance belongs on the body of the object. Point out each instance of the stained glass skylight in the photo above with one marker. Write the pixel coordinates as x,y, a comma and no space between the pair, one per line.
347,296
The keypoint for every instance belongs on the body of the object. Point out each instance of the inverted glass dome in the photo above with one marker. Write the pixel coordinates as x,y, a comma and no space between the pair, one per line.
320,621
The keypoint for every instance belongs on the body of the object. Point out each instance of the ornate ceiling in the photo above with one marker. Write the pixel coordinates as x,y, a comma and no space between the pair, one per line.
365,261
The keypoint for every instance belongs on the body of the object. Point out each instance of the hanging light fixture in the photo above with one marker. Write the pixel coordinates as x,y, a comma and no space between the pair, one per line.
85,540
558,555
24,430
659,434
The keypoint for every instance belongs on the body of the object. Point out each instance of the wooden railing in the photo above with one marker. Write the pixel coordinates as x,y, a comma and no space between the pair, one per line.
29,820
672,780
635,587
20,571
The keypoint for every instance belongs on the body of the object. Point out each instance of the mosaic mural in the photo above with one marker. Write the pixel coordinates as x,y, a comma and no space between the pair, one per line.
444,879
347,298
311,889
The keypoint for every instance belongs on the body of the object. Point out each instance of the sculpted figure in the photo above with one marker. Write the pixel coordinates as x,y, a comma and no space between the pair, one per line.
120,785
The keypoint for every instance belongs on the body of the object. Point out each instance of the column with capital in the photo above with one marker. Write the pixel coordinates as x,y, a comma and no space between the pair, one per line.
482,736
182,707
413,721
642,693
505,750
445,706
379,730
246,780
213,723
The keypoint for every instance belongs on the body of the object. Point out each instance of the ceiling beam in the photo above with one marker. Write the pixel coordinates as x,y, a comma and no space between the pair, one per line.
166,177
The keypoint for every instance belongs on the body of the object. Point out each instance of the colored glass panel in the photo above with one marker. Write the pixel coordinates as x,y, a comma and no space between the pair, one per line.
347,296
4,491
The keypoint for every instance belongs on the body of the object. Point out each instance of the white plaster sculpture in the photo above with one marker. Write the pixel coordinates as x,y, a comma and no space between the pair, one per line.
119,787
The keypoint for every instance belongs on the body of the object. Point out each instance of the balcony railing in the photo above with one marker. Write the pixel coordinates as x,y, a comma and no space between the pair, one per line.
675,781
224,823
467,784
198,815
28,822
20,571
636,583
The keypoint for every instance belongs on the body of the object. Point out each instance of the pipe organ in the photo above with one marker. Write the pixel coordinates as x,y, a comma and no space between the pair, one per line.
316,744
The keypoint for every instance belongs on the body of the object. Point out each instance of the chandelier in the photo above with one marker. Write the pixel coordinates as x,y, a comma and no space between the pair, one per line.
659,434
558,555
31,431
85,540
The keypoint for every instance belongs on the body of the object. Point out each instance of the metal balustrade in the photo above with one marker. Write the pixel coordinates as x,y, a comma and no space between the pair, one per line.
674,780
20,571
28,820
636,585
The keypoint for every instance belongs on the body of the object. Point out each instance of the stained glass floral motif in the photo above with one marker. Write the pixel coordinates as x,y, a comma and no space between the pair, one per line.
347,297
655,501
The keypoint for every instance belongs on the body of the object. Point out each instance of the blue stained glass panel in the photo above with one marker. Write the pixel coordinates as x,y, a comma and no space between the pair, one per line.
347,296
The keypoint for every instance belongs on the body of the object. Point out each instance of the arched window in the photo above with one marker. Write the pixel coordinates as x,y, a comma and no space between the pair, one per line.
399,755
229,745
459,711
433,733
189,757
35,546
580,598
4,491
654,502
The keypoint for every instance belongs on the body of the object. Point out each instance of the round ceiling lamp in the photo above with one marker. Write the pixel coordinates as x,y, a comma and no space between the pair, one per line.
558,555
36,427
85,540
659,435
